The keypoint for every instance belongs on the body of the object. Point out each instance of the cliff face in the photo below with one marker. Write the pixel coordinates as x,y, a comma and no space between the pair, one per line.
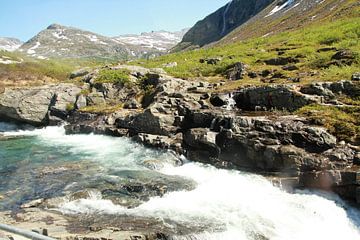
223,21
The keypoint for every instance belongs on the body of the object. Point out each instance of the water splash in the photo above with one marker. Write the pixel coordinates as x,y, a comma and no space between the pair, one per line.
245,205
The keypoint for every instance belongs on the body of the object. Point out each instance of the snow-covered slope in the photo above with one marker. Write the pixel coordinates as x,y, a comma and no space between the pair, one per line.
9,44
67,42
159,40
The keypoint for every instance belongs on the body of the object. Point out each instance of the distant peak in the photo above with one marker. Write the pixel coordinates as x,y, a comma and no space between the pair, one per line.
55,26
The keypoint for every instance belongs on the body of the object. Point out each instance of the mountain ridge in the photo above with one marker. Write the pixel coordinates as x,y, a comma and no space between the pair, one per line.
58,41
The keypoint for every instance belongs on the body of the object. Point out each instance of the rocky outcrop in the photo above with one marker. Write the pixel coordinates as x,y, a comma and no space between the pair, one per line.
278,97
39,105
221,22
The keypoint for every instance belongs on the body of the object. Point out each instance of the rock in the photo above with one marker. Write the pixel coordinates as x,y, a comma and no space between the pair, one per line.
265,73
170,65
95,99
356,76
252,74
211,61
217,100
318,89
281,61
160,142
327,49
132,104
201,145
150,121
343,54
32,204
290,68
81,102
79,73
32,105
235,71
279,97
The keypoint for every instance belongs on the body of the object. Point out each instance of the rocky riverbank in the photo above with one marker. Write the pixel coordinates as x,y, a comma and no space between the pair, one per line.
251,129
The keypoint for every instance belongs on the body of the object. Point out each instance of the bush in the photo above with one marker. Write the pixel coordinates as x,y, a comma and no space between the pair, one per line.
120,76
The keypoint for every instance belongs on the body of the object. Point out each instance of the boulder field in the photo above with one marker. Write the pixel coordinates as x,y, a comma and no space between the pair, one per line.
252,129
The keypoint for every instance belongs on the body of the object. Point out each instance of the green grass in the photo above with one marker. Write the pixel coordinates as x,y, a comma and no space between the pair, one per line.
120,76
344,123
342,34
102,109
33,71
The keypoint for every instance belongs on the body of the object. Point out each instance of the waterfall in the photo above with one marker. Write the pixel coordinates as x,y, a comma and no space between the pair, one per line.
224,17
230,102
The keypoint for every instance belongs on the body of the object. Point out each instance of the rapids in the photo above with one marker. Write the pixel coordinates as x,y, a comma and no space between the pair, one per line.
237,205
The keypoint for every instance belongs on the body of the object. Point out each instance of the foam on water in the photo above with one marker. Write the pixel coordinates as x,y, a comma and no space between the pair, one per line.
109,151
243,205
236,205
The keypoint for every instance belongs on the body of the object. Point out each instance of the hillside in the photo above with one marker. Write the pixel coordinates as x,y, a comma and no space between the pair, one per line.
288,15
220,23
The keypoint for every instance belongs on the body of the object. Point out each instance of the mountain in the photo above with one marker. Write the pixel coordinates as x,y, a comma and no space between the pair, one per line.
9,44
158,40
244,19
59,41
285,15
220,23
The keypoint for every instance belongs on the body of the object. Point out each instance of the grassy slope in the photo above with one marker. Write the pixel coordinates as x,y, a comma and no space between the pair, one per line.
342,33
31,72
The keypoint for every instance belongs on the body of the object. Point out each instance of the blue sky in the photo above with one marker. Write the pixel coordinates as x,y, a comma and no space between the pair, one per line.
24,18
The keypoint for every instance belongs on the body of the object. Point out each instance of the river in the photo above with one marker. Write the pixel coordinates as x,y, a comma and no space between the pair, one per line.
235,204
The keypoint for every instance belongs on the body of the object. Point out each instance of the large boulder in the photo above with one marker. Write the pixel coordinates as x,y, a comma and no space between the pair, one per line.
149,121
33,105
277,96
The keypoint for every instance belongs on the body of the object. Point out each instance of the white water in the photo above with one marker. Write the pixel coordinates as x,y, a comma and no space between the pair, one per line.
238,204
224,17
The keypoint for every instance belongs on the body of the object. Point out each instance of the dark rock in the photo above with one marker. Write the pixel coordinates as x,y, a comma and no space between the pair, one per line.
290,68
343,54
279,97
217,101
201,145
281,61
356,76
266,73
252,74
327,49
210,61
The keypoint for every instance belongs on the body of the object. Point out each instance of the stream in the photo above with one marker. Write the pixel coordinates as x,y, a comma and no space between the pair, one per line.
225,204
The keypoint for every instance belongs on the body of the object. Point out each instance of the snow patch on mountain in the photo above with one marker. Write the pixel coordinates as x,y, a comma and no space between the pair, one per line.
278,8
9,44
159,40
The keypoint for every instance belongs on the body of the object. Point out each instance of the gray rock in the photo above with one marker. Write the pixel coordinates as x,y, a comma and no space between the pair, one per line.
33,105
279,97
79,73
236,71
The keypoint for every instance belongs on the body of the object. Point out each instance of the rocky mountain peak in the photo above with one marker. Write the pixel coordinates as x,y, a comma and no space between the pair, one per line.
55,26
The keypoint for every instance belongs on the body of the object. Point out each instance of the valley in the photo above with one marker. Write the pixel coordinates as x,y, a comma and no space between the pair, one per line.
245,126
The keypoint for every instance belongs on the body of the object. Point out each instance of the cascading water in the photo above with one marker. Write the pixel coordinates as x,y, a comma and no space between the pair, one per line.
224,17
227,204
